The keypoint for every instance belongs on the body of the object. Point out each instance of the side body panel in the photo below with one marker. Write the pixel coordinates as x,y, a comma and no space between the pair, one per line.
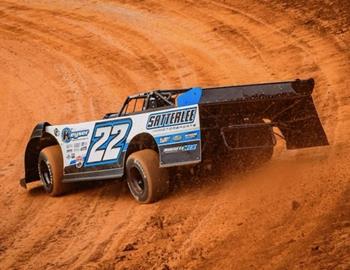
97,149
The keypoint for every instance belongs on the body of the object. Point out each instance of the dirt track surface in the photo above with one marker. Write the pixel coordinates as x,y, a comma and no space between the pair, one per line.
69,61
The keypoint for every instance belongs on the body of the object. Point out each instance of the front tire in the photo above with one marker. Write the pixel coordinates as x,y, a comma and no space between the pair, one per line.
146,180
50,166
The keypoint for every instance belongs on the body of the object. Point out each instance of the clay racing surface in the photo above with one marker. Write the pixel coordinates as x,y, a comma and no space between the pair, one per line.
70,61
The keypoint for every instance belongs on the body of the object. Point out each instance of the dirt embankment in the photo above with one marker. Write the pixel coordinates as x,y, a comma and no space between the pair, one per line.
64,61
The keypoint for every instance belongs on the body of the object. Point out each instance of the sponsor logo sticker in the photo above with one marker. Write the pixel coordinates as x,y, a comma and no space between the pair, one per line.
79,161
164,139
56,132
171,118
181,148
191,135
68,134
177,138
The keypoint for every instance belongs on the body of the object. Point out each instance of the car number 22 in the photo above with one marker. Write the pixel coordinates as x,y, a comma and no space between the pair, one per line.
107,142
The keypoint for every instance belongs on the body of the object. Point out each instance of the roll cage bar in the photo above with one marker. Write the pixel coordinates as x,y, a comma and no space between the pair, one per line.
151,100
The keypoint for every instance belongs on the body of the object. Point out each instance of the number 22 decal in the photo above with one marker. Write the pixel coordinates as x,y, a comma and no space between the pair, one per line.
107,142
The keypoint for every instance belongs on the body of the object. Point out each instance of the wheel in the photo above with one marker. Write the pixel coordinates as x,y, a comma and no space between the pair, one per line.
51,170
146,180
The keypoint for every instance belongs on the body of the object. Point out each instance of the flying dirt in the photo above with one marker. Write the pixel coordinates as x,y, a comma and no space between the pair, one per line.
71,62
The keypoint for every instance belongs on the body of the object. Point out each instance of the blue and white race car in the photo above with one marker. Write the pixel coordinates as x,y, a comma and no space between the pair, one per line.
171,128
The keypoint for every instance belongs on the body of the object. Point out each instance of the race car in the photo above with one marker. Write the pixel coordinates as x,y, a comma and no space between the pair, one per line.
163,129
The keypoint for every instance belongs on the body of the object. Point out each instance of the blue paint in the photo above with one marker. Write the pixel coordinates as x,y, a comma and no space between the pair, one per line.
187,136
120,144
190,97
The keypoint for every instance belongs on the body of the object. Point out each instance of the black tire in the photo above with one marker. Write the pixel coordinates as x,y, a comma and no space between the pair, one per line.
146,180
50,166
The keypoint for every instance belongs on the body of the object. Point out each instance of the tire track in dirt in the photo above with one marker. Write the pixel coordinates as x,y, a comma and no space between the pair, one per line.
130,66
40,242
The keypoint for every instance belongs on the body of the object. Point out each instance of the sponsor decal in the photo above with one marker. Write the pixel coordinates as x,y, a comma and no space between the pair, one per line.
164,139
171,118
68,134
181,148
76,145
177,138
56,132
79,161
191,135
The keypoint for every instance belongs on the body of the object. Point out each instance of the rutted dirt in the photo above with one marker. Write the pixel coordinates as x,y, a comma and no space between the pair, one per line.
69,61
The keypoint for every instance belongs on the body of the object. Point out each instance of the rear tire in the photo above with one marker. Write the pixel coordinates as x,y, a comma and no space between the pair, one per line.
146,180
50,166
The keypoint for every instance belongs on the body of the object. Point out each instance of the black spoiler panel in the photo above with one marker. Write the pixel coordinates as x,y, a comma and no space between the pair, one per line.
288,105
300,124
251,92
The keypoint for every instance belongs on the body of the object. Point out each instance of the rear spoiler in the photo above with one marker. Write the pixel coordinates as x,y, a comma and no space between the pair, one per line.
288,105
251,92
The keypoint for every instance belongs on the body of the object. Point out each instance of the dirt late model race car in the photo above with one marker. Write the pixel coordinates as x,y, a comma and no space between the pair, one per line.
171,128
